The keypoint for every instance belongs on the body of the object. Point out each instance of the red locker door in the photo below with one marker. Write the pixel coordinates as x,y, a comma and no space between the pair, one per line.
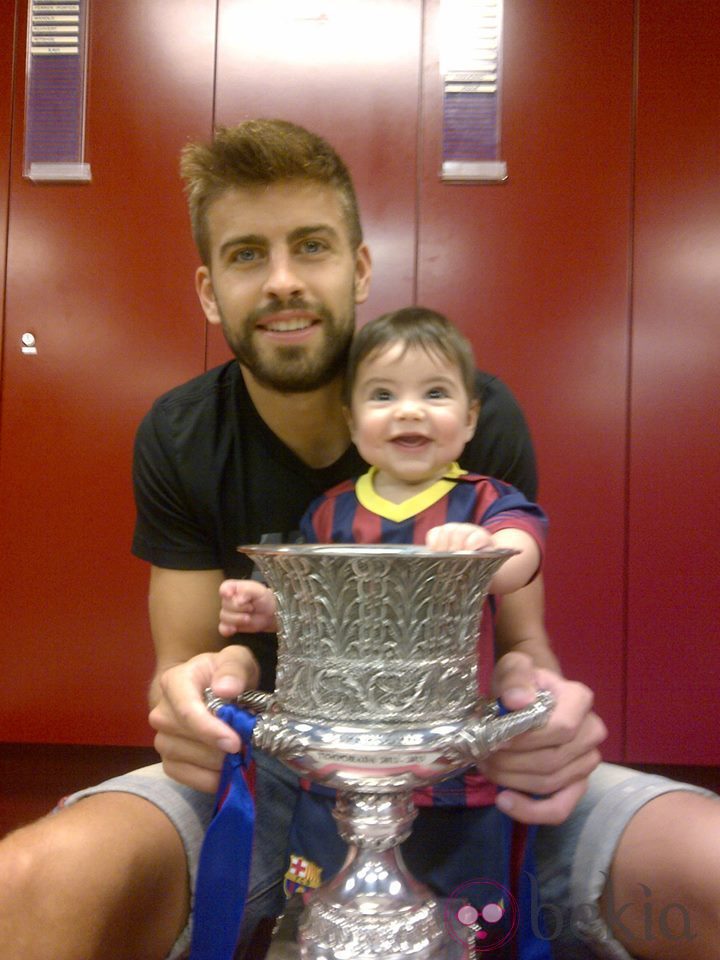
7,36
350,72
535,270
101,274
674,550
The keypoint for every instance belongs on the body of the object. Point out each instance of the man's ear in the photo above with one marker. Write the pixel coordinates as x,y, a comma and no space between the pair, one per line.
363,273
206,295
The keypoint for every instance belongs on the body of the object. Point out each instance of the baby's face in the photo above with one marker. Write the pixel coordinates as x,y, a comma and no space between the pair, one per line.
410,415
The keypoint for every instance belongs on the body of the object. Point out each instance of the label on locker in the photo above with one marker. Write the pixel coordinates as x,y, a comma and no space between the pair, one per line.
470,66
56,90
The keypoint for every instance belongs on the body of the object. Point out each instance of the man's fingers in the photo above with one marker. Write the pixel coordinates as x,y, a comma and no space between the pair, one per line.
571,723
545,770
181,710
176,749
196,719
545,810
235,670
206,781
192,741
514,680
541,772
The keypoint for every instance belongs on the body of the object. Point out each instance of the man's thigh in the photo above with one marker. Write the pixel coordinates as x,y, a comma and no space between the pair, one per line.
83,881
188,810
574,860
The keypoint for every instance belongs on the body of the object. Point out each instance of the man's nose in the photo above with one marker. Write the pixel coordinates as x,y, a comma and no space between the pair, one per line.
282,280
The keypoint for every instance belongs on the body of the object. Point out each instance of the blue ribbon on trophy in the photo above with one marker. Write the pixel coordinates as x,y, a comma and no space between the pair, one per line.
224,869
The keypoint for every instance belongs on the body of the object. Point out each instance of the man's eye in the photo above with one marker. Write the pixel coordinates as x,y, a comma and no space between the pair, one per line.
312,246
245,255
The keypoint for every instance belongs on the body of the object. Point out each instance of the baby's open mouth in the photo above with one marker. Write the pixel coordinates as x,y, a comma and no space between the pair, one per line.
410,440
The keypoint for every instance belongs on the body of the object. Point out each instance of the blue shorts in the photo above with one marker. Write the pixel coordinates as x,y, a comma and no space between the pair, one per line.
572,859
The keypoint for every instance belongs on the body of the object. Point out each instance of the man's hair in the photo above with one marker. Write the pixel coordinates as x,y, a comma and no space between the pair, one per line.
413,327
261,152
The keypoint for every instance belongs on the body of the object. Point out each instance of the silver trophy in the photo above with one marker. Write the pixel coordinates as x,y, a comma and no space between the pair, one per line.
376,695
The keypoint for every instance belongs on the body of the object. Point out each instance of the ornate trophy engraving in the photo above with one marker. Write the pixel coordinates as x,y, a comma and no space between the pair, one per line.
376,695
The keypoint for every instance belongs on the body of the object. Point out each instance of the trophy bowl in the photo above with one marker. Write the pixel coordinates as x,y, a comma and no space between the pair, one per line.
377,694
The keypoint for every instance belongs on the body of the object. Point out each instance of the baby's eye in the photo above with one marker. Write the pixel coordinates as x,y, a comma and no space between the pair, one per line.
437,393
381,395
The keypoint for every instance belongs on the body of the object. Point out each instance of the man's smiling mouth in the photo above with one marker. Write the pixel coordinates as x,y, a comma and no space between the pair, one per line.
287,323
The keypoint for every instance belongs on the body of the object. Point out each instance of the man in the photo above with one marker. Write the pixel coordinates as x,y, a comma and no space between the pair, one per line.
230,457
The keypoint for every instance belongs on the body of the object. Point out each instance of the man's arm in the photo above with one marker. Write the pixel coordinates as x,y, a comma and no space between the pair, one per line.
545,770
184,609
184,606
520,626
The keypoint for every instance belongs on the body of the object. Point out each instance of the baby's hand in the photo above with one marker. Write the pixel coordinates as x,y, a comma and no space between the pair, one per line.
458,536
247,607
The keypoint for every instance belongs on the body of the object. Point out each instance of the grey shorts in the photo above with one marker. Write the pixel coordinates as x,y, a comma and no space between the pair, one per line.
573,859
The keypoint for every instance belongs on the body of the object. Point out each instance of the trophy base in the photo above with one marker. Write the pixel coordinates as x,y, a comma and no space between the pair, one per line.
375,910
285,944
419,935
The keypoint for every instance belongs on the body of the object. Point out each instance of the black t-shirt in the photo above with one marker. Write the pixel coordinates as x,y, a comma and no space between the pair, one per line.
210,475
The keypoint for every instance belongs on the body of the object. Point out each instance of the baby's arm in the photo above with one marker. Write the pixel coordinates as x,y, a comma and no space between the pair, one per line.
515,573
247,607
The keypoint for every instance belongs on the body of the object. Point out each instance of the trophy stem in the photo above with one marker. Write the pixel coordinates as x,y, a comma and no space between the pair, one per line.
374,909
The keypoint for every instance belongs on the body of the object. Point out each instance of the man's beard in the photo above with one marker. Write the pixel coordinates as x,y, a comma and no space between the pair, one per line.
293,369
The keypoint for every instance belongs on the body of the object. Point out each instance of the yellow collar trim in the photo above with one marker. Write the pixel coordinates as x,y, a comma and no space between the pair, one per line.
397,512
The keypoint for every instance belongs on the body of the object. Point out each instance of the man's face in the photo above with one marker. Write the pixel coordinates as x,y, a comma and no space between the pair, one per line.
283,281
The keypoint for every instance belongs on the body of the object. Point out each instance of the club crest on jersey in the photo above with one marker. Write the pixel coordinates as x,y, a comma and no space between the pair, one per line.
301,875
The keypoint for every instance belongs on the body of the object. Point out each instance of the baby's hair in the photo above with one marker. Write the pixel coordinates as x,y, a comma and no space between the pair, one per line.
413,327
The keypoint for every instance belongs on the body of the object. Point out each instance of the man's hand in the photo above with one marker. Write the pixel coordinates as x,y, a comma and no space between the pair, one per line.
190,740
545,770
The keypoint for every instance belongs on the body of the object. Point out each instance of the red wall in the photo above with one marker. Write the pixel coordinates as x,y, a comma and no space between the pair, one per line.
674,533
569,278
101,273
7,33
